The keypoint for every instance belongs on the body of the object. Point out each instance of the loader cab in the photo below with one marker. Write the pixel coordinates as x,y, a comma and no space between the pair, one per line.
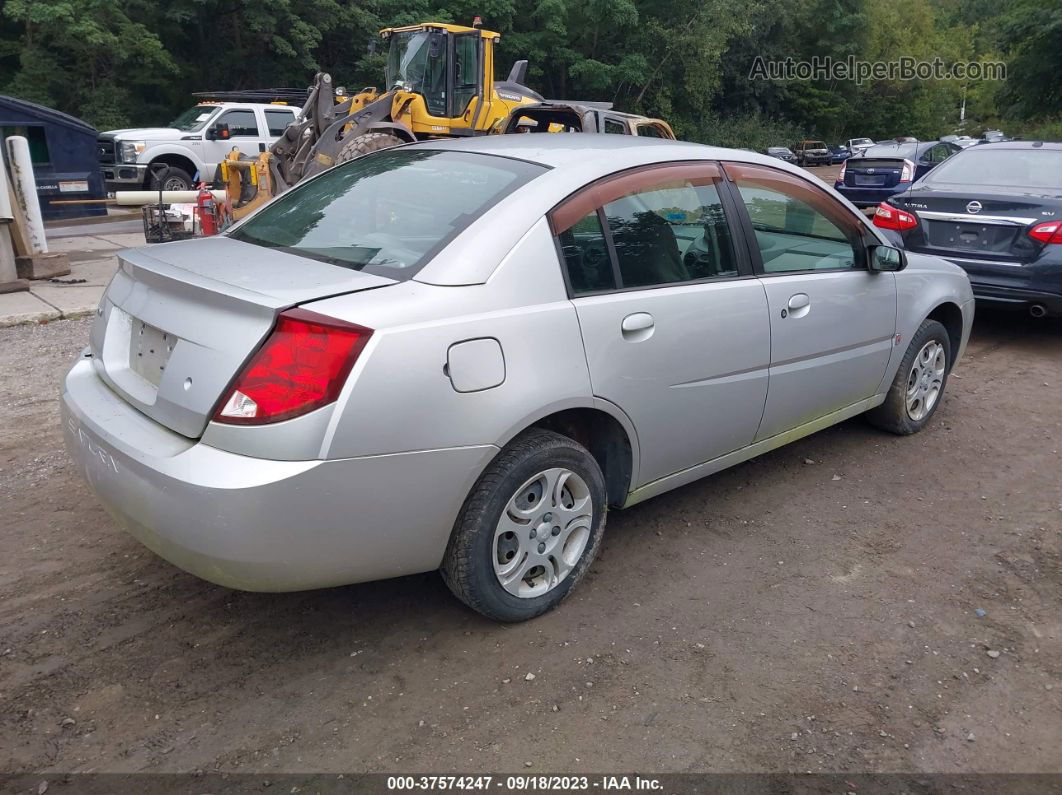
446,64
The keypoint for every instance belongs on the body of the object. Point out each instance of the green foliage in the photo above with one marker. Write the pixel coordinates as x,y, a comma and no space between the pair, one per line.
136,62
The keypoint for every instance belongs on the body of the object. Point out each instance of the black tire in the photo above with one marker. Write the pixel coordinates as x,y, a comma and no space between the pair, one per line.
468,566
362,145
892,415
171,178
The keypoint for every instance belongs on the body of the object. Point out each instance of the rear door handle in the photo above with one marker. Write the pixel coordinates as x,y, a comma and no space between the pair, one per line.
798,306
638,326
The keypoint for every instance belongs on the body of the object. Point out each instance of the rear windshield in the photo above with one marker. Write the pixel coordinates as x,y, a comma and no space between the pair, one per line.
902,151
1007,168
386,213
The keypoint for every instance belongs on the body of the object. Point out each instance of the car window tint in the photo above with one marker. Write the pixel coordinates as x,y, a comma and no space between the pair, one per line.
241,122
651,131
612,126
278,120
978,166
791,234
387,213
586,256
673,232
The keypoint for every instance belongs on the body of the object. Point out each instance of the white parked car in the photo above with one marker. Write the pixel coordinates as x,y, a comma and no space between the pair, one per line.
194,143
857,145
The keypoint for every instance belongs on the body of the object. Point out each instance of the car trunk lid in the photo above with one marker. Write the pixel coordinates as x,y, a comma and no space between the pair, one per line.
989,227
865,172
178,320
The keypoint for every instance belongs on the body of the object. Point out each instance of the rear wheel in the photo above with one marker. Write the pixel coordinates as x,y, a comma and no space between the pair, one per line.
529,529
368,142
918,387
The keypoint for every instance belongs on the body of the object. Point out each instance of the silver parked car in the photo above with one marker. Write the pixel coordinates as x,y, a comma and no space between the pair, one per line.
456,355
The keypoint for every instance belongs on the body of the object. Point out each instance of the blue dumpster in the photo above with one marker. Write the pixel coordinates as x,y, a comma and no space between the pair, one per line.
63,150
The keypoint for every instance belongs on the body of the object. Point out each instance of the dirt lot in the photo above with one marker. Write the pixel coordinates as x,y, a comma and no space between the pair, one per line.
810,610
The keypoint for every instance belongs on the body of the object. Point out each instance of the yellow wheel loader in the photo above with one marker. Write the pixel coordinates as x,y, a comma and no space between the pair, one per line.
439,84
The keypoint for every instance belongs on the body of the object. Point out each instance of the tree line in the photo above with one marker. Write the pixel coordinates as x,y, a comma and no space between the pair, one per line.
121,63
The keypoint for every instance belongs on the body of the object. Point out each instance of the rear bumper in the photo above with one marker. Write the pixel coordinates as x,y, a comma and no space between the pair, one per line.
1017,298
1014,285
262,525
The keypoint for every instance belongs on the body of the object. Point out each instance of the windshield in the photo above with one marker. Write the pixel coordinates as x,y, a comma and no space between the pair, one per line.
387,213
193,119
416,61
1006,168
861,141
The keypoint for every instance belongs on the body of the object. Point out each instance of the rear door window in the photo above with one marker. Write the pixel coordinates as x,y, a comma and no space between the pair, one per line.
586,258
648,228
278,120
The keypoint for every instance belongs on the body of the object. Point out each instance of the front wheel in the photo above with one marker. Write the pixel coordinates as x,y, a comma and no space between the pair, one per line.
529,529
918,387
172,178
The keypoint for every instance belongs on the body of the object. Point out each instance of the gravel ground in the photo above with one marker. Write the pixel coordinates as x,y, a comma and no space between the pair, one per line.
816,609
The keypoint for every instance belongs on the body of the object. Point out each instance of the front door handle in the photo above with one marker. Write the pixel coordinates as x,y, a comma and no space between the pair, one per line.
638,326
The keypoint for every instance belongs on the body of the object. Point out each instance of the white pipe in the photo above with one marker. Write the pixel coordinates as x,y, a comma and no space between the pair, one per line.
131,198
26,193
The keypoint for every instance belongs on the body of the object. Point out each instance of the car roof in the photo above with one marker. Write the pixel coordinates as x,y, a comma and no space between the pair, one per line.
1051,145
560,150
574,160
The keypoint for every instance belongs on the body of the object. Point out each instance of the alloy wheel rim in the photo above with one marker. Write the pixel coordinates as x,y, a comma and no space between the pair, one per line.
542,533
926,380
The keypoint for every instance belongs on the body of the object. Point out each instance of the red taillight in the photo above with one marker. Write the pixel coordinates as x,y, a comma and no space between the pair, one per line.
889,217
840,174
1047,232
301,366
907,172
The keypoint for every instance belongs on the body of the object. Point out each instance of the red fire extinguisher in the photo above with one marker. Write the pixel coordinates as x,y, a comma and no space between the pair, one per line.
208,212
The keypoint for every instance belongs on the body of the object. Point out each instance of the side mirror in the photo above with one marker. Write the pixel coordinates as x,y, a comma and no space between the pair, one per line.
518,74
218,132
886,259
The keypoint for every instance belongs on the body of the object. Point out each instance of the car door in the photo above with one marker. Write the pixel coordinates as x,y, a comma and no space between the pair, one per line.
674,324
832,320
276,121
244,133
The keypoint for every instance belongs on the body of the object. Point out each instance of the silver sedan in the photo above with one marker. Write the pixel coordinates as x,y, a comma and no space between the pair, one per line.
458,355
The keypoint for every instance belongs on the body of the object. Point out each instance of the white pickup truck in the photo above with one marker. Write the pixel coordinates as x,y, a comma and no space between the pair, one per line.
192,146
